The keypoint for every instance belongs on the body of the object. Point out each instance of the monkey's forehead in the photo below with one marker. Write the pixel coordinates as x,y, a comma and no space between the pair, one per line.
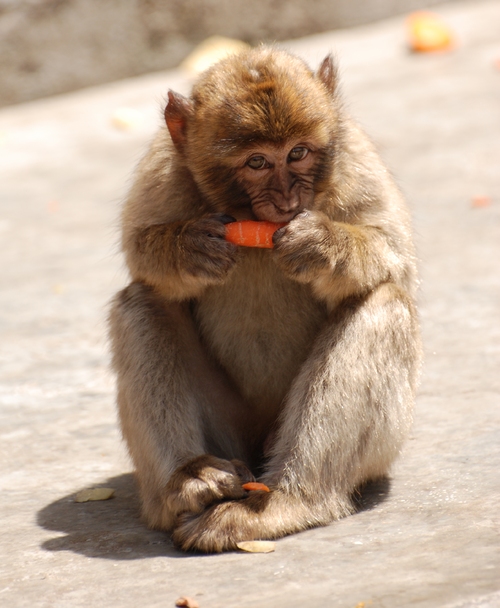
262,93
254,75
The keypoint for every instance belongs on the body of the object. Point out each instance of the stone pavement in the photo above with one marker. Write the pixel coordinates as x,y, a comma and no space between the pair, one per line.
430,539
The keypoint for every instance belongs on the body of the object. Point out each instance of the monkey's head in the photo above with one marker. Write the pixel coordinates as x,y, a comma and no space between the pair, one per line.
258,133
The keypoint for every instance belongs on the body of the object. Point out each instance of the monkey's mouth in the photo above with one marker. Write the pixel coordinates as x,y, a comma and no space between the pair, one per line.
268,212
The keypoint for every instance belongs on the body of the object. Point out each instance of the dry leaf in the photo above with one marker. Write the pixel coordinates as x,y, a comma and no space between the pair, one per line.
257,546
187,602
94,494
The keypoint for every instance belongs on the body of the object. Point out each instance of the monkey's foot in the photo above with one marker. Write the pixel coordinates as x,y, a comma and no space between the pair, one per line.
262,516
203,481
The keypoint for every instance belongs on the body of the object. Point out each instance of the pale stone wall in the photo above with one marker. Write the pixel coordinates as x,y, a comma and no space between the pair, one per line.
52,46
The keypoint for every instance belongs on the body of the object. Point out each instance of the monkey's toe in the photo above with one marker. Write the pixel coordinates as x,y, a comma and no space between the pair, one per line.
209,531
220,527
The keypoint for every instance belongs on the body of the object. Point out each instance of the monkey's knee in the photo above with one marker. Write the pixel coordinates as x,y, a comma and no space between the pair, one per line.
141,316
135,292
385,322
125,305
399,331
139,301
389,299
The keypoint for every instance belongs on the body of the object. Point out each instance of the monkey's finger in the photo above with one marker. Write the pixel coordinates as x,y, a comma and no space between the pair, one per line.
217,224
243,471
278,235
214,225
226,219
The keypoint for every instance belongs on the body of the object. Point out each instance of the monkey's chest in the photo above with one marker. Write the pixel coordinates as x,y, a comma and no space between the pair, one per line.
260,326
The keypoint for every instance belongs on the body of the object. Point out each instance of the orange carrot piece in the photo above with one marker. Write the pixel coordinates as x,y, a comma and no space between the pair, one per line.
252,234
255,486
427,33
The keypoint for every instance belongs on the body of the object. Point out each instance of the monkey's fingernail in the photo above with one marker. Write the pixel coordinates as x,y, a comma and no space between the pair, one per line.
278,234
227,219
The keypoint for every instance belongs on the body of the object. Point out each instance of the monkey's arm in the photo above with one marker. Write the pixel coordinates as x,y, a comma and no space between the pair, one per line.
181,258
170,239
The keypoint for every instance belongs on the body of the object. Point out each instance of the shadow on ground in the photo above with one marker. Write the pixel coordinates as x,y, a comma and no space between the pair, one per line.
110,529
113,529
371,494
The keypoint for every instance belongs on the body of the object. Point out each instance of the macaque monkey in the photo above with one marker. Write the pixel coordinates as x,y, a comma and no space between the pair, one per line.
296,365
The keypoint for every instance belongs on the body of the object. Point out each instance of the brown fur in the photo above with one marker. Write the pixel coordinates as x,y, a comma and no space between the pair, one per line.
297,365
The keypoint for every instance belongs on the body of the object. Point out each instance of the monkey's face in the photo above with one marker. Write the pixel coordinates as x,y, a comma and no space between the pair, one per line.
267,180
258,134
278,179
250,176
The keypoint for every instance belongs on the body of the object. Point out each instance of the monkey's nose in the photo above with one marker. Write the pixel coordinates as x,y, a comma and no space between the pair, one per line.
287,205
285,215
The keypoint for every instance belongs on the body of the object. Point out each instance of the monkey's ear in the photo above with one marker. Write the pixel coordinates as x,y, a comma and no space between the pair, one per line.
177,113
327,73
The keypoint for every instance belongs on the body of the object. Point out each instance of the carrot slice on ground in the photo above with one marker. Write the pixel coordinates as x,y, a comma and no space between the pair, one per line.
428,33
252,234
481,200
255,486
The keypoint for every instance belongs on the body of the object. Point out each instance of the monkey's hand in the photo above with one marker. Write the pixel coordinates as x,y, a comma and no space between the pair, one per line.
202,251
205,480
304,248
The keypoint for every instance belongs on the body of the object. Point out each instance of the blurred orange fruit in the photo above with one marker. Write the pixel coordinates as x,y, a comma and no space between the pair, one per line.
427,33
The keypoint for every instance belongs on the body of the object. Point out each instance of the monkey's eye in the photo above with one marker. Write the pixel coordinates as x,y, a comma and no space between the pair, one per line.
257,162
298,153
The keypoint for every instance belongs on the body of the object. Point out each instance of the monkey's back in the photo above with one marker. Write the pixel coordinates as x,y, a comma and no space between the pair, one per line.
260,326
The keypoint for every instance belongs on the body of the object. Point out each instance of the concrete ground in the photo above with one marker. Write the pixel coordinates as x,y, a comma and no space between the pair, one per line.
430,539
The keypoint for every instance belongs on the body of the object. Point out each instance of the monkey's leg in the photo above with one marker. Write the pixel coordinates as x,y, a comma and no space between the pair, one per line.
174,406
347,414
